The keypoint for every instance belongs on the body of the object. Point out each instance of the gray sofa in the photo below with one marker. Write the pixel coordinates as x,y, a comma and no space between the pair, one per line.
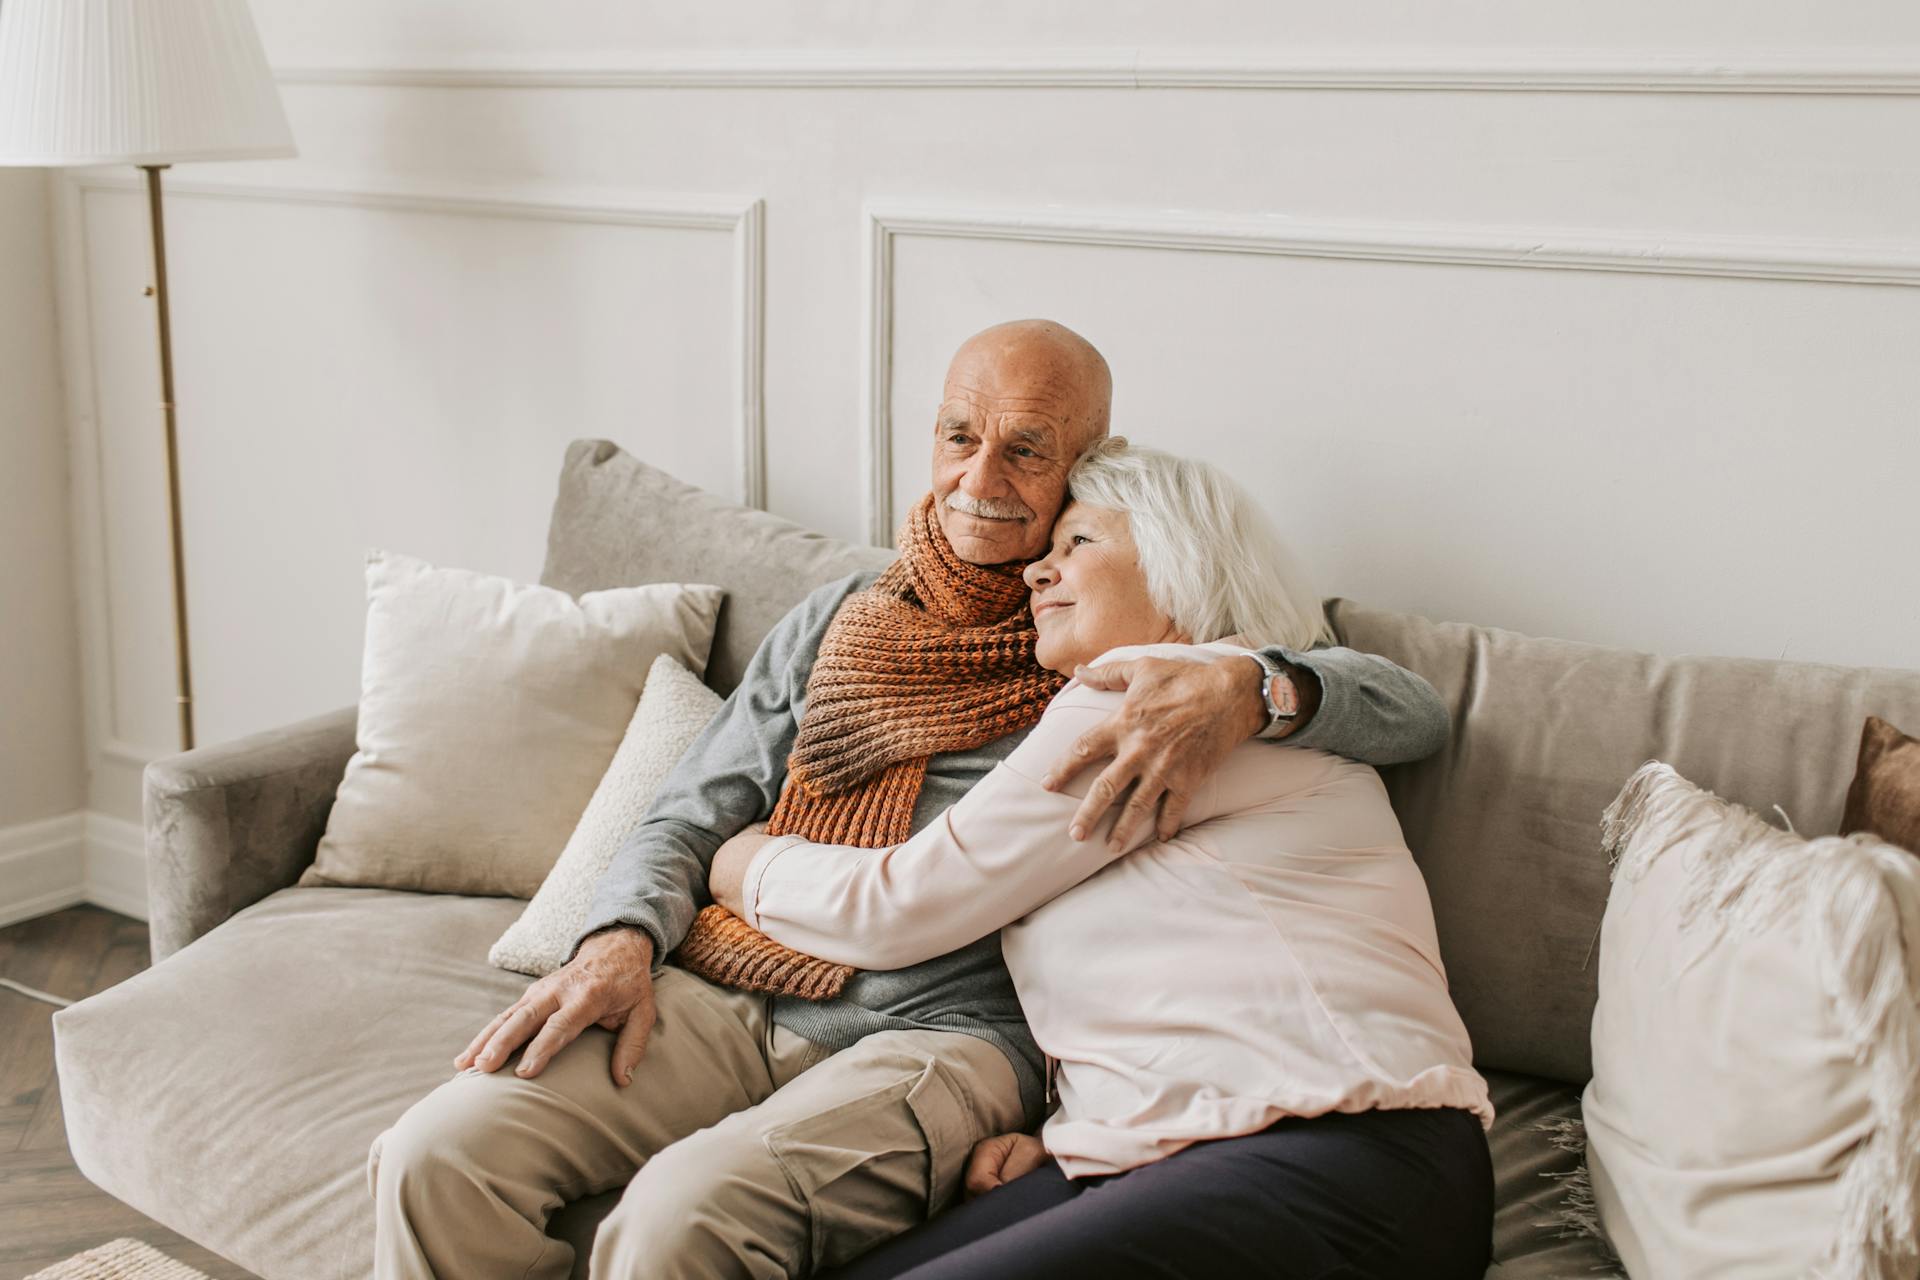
231,1090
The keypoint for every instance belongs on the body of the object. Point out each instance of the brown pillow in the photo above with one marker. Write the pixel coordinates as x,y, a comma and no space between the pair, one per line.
1885,797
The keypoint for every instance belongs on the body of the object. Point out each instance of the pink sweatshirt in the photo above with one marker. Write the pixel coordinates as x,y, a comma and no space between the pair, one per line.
1275,958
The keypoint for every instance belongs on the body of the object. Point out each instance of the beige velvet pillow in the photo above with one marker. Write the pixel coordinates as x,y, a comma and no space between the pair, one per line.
1754,1110
488,712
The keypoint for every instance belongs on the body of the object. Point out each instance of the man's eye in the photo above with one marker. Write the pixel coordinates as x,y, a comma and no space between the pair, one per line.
1079,538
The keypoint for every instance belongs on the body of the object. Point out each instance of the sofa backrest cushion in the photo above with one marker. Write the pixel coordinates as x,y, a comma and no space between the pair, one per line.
618,522
1505,821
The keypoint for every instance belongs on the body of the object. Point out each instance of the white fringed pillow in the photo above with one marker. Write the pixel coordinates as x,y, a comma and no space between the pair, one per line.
488,711
673,709
1754,1109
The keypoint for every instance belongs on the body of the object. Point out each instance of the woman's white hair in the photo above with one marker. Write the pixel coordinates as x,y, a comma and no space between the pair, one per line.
1213,561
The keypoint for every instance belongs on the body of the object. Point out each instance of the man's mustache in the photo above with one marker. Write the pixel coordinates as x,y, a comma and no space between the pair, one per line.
989,508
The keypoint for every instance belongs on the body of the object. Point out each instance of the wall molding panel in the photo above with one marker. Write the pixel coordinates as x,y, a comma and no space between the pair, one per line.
78,345
1834,71
1735,257
741,218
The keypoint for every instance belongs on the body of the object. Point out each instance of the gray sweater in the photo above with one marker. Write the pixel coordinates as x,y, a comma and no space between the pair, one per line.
1370,710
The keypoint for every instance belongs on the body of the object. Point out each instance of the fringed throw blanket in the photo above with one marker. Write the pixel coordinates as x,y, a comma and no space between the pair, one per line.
936,656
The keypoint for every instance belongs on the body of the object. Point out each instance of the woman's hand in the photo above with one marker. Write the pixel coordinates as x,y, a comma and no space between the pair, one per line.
727,877
1000,1160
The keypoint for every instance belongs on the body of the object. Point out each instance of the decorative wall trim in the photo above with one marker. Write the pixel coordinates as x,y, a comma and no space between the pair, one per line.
1736,257
89,520
750,348
743,219
876,354
1832,71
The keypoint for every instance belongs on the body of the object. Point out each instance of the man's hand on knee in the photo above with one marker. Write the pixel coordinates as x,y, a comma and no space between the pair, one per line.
608,982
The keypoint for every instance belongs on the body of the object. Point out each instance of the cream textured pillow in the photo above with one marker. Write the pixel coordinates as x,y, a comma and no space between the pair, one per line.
1754,1110
488,712
673,709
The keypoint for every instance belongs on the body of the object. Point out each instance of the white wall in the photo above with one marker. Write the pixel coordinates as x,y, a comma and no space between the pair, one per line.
1590,321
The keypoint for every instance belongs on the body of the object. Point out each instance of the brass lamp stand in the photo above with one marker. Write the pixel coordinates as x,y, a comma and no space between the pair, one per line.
158,291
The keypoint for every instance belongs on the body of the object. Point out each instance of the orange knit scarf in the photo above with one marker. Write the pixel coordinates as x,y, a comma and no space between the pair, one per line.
936,656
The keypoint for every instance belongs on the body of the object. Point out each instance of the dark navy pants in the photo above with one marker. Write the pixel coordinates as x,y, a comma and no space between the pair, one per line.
1363,1196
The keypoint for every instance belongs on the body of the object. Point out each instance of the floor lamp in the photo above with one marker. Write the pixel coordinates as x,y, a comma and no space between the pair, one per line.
149,83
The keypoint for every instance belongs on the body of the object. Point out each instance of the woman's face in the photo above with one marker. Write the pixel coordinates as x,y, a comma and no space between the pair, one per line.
1089,593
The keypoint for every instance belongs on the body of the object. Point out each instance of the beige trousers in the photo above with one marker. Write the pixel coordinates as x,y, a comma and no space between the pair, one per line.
745,1150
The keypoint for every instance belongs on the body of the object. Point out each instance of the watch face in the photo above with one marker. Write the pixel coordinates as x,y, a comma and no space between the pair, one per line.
1282,699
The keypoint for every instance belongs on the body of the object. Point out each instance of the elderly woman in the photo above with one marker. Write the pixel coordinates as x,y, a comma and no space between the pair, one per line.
1258,1068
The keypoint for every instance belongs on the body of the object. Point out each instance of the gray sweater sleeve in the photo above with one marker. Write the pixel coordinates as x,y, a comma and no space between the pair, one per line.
728,779
1371,710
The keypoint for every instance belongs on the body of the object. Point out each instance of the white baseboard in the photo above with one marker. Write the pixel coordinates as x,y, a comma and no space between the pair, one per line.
42,866
76,857
116,865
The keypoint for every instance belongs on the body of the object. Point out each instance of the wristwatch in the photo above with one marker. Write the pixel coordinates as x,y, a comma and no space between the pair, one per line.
1276,690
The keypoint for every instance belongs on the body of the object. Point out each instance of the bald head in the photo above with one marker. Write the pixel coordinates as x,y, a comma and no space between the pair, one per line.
1048,358
1022,400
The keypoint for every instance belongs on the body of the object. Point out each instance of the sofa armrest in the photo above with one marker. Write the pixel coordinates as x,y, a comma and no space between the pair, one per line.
228,824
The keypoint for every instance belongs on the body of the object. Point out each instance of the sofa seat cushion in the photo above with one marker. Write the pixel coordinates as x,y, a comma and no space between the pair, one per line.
231,1091
1543,1223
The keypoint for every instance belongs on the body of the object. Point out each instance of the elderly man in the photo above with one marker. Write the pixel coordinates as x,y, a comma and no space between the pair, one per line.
779,1115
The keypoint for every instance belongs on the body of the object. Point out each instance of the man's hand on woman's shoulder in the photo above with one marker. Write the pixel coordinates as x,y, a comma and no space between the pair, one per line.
608,982
1177,724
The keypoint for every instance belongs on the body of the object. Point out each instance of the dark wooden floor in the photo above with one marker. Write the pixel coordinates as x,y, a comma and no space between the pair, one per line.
48,1210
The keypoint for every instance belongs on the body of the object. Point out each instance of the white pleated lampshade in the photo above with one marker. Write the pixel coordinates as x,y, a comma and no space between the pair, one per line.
136,82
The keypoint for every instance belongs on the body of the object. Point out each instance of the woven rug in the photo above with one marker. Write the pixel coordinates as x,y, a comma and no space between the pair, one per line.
122,1259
